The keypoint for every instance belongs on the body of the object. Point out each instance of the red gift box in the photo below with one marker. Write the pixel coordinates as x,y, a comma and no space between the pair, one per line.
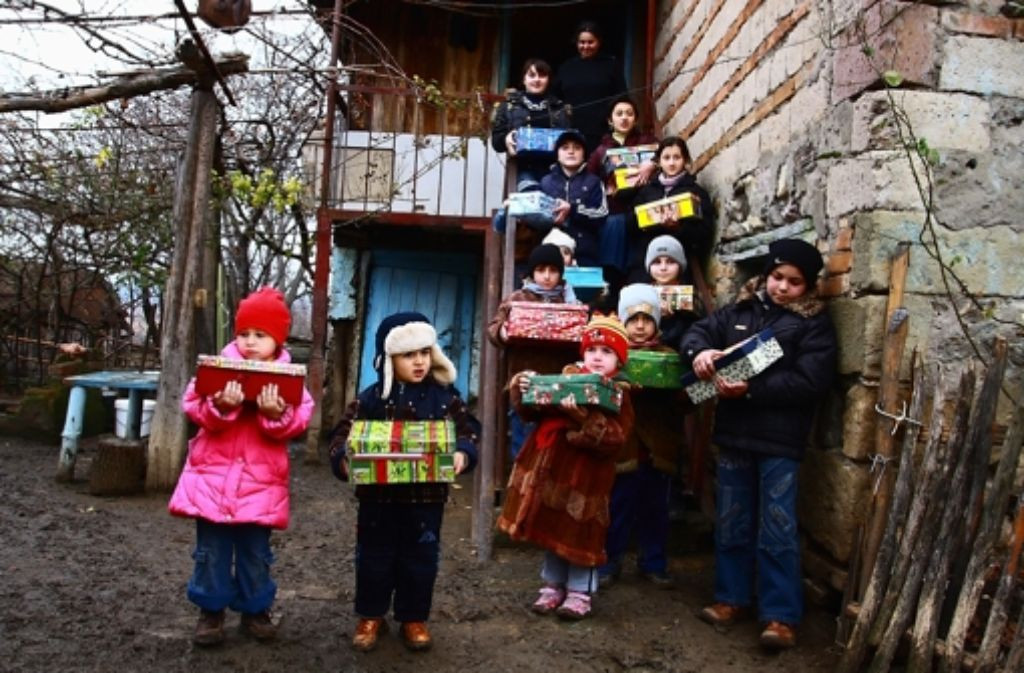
540,321
214,371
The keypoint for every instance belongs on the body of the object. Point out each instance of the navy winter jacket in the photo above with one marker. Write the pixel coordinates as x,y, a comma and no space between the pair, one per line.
775,415
589,209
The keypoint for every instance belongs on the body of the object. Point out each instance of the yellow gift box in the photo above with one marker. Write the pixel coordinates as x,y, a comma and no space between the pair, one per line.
679,207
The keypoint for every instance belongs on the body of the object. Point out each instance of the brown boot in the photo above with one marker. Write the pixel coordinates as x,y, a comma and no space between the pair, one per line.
209,628
367,632
722,614
262,626
416,636
778,636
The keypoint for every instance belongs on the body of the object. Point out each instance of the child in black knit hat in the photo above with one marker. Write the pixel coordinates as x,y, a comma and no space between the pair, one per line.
398,533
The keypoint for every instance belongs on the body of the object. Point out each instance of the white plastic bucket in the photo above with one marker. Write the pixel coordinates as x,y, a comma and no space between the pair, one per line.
121,417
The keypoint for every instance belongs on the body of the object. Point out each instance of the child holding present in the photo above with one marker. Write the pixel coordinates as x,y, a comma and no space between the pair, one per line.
235,480
560,484
398,532
645,466
666,265
581,206
761,431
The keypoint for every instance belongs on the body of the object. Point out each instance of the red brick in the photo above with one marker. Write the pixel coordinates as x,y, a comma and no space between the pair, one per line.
977,24
839,262
834,286
903,36
1018,29
844,238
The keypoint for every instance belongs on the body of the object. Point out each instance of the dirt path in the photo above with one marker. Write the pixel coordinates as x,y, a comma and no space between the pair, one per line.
97,584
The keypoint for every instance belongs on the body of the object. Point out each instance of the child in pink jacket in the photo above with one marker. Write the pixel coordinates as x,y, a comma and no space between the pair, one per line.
235,481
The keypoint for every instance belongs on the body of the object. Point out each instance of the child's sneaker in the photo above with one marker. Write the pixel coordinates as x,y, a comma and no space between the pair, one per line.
368,630
575,606
416,636
209,628
259,625
549,599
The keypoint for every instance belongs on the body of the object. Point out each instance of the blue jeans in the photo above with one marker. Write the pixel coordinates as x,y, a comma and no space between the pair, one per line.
756,535
556,570
614,250
213,587
398,547
639,505
518,431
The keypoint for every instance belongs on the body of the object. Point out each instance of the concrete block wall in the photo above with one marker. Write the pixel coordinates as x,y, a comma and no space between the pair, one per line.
794,134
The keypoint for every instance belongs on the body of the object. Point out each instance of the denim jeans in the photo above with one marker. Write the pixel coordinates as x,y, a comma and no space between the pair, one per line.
639,505
756,534
556,570
614,250
246,547
518,431
398,548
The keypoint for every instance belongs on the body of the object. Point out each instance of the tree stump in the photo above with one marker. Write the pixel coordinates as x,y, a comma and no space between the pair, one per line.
119,467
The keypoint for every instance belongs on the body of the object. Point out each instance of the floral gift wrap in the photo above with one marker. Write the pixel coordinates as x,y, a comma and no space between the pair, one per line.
655,369
401,452
548,390
539,321
741,362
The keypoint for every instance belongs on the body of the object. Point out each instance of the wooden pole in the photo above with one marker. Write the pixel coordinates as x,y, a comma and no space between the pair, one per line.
896,326
988,652
321,269
984,545
490,392
168,430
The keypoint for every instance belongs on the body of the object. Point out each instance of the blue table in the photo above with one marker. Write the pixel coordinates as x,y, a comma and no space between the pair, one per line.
134,382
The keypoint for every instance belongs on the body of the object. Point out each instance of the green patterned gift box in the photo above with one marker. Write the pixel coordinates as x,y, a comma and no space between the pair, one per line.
589,389
655,369
401,452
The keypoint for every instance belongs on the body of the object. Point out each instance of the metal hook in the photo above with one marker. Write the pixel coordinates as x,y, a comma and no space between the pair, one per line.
897,420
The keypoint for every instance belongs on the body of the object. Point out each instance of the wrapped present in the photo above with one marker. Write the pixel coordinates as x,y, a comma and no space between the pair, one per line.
617,157
540,321
679,207
532,207
214,371
741,362
678,297
626,177
548,390
533,140
401,452
654,369
587,282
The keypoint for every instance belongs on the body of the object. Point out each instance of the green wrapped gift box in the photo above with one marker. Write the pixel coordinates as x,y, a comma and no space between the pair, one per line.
401,452
589,389
655,369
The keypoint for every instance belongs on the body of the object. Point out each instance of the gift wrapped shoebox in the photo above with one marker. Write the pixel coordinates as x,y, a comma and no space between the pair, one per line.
214,371
533,140
587,282
401,452
634,155
679,207
548,390
676,297
654,369
534,207
530,321
741,362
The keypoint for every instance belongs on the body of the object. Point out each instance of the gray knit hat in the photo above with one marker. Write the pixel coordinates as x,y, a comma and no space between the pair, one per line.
668,246
639,298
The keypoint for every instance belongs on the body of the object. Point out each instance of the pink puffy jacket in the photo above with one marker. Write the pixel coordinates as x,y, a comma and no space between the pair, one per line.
237,467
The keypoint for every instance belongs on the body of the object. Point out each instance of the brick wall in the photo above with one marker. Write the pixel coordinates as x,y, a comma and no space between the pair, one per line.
793,133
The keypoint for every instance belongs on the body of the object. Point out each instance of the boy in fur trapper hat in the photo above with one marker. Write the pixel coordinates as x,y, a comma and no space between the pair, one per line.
761,429
647,462
558,492
398,532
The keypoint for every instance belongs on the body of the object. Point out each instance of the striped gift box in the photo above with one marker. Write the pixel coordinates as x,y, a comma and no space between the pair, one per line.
401,452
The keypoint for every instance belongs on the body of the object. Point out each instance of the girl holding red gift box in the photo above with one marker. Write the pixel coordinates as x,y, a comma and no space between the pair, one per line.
398,533
235,480
561,482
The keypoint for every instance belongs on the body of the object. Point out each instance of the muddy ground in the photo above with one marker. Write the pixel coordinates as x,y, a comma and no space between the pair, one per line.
98,584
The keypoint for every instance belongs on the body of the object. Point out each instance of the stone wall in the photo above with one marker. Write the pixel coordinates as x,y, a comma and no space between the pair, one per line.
794,132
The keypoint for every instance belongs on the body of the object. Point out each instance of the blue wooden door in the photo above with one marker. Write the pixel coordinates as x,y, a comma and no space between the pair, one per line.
441,286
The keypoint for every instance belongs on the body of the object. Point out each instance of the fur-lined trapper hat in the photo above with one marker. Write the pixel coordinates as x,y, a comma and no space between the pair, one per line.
404,332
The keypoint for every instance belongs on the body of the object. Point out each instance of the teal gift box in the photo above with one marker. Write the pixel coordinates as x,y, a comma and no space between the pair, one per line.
587,282
532,207
655,369
547,390
531,140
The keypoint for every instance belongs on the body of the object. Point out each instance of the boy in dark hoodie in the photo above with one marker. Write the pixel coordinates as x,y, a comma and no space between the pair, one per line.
399,525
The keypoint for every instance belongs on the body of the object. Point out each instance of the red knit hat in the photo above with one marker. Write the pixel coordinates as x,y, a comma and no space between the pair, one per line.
266,311
606,331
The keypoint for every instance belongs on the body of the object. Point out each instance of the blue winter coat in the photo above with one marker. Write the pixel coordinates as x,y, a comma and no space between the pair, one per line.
589,209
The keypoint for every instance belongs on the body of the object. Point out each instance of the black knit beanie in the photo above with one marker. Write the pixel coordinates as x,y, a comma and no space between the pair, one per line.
546,253
800,254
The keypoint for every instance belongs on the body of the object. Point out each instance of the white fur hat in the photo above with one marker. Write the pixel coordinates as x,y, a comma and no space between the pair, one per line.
412,336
